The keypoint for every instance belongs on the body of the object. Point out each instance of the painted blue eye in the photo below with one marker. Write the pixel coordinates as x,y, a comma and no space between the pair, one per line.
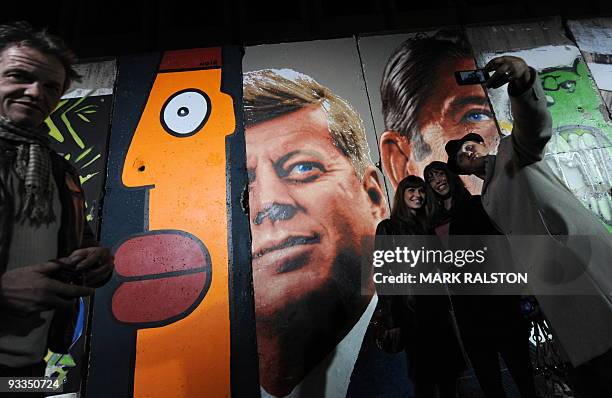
302,168
303,172
477,117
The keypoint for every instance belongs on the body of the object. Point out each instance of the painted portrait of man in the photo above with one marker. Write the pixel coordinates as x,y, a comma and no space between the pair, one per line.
314,194
423,107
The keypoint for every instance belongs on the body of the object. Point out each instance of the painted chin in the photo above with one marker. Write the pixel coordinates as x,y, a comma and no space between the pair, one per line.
283,278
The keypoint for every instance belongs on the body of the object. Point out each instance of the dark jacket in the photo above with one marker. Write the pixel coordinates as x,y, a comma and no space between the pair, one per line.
429,329
74,233
490,318
397,310
468,217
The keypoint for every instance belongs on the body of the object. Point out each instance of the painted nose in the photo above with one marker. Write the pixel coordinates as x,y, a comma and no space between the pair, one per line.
270,198
275,212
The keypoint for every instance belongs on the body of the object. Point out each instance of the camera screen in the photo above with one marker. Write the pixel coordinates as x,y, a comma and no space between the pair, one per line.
473,76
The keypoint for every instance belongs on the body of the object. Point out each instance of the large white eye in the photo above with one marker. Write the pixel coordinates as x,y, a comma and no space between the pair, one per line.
185,112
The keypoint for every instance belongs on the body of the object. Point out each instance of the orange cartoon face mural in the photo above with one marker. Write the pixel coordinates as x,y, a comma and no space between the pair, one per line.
174,278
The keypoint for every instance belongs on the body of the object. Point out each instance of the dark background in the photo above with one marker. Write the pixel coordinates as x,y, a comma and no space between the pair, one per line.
95,28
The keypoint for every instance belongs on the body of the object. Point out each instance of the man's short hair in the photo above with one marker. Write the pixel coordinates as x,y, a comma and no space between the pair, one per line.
270,93
408,78
23,34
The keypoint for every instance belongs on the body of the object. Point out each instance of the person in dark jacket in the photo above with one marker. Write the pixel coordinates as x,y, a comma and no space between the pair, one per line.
48,257
421,325
488,325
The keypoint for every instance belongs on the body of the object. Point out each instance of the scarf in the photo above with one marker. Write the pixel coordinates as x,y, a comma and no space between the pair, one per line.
33,168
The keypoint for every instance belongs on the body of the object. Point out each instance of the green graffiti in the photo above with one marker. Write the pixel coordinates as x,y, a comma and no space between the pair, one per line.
89,216
65,108
62,129
87,177
54,132
580,150
73,148
82,155
91,161
573,98
59,365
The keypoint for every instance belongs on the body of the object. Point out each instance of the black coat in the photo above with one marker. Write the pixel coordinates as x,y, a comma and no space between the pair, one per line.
489,318
431,342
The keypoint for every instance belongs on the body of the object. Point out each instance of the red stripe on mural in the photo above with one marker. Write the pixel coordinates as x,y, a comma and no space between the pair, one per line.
191,59
159,253
157,300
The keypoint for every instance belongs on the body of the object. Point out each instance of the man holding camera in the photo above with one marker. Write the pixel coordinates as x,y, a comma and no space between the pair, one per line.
522,196
48,257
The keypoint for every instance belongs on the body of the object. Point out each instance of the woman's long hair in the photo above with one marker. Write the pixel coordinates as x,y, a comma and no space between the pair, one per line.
436,211
400,211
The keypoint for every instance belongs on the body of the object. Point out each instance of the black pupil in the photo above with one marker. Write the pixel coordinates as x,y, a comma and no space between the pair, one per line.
182,111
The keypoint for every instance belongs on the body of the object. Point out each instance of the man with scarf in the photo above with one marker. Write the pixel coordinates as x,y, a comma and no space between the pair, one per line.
48,257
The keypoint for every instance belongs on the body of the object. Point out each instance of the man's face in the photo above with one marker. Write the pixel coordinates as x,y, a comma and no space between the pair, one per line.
471,157
438,182
31,85
308,210
452,111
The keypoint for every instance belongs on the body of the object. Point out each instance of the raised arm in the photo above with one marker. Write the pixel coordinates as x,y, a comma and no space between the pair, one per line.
532,121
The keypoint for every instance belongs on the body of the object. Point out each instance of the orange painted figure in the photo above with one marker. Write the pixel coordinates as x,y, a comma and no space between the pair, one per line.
175,277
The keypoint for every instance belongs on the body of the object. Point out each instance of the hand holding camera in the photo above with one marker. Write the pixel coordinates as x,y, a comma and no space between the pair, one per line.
509,69
497,72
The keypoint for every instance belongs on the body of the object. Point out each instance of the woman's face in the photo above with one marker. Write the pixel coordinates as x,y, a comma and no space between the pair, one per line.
414,197
438,182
